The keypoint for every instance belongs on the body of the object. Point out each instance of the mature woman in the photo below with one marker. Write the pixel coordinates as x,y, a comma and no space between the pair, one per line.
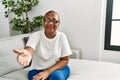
51,50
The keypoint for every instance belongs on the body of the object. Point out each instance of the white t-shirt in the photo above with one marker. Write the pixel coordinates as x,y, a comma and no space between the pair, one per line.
48,51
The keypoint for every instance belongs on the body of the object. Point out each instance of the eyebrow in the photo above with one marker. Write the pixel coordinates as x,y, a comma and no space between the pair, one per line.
52,19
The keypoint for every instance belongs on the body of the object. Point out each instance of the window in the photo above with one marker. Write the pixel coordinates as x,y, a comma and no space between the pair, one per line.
112,31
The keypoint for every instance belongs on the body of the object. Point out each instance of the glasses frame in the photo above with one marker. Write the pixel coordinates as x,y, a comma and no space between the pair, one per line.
48,20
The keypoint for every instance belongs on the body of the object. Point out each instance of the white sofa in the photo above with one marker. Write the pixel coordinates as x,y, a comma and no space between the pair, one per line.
80,69
8,61
9,67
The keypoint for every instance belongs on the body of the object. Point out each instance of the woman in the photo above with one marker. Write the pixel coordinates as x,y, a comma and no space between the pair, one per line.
51,49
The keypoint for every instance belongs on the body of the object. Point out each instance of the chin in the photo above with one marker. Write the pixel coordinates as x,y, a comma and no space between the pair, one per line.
50,30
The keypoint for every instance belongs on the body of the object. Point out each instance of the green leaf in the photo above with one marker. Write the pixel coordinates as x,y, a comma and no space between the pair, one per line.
10,3
21,21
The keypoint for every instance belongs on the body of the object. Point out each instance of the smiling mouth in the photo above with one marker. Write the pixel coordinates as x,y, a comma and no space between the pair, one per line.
50,27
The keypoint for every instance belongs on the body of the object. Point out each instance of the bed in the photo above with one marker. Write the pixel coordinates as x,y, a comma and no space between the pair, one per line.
93,70
80,70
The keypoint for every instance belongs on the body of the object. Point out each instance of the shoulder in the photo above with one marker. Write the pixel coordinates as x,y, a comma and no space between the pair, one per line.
61,34
37,33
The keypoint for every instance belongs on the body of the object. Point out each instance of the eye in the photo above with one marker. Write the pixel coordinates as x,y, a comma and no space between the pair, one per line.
47,20
55,21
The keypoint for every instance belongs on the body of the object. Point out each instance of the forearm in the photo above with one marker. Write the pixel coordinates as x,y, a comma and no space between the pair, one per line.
59,65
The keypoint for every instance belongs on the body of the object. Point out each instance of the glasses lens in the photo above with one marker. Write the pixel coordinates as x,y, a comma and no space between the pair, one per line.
55,21
48,20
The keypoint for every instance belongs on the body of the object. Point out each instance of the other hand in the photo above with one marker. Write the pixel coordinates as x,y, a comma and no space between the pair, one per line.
41,76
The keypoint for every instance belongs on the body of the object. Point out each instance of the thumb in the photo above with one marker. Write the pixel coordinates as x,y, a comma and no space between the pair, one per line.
17,51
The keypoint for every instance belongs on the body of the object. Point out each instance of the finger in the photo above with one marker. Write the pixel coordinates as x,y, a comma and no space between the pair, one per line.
42,79
25,63
17,51
28,63
19,60
22,63
36,78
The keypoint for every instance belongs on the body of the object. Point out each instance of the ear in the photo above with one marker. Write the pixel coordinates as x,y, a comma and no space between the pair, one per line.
59,23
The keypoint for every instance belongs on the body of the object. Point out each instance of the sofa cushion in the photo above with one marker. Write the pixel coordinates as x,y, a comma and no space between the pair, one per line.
5,78
19,74
8,61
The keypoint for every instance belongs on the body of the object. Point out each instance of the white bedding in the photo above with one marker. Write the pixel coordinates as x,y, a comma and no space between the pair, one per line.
93,70
80,70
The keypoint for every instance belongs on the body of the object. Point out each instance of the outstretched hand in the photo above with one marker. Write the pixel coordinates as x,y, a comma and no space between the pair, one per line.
24,57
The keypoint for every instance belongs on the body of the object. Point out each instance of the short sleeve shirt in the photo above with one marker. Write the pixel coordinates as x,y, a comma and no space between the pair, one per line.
48,51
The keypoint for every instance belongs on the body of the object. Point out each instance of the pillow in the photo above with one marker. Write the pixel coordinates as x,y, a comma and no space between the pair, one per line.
8,59
25,39
18,75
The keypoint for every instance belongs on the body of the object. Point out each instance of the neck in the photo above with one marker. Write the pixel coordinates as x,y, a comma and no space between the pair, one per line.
50,35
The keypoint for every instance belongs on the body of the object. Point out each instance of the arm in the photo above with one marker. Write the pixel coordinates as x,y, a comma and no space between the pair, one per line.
59,65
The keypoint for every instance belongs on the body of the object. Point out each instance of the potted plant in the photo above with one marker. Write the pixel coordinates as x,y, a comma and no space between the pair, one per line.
21,22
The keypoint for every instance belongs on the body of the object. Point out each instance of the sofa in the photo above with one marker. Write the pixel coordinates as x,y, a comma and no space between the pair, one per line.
80,69
8,59
10,69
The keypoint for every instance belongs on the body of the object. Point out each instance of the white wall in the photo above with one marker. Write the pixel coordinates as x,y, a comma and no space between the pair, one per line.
4,23
80,20
83,21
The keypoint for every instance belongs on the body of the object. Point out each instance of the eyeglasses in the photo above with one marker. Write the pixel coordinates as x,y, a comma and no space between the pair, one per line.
48,20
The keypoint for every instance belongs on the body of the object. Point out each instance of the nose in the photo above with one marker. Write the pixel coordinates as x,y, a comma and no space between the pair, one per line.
51,23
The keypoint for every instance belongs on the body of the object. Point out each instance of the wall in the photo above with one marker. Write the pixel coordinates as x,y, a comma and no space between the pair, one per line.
83,21
80,20
4,24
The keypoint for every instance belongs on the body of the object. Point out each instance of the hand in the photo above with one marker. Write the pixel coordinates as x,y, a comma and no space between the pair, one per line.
24,57
41,76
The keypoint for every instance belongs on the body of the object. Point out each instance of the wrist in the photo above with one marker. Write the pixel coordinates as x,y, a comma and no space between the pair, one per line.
49,71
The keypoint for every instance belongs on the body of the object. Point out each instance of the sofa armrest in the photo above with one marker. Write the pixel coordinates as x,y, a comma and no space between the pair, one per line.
76,54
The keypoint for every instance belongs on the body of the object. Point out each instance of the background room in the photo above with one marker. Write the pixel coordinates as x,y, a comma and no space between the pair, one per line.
83,21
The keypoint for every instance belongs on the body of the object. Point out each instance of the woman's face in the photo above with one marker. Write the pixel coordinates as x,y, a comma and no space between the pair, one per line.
51,22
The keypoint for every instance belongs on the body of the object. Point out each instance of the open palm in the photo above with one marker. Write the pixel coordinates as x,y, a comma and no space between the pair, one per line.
24,57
